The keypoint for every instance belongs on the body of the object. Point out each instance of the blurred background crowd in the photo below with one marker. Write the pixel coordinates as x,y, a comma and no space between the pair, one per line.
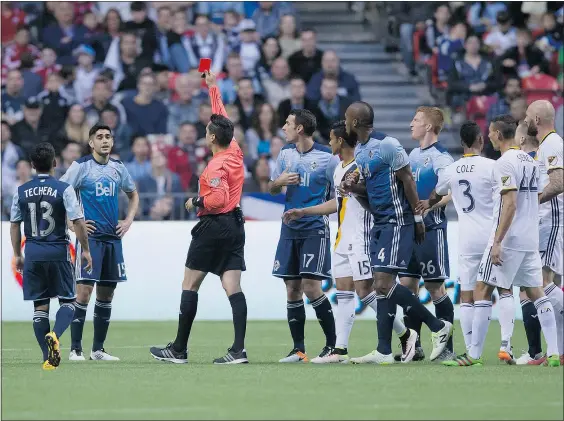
133,66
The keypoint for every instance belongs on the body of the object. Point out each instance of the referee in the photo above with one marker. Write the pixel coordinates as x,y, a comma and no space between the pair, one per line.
218,239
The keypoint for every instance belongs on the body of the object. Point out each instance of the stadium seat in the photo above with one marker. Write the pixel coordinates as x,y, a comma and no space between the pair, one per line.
417,36
477,110
435,73
540,86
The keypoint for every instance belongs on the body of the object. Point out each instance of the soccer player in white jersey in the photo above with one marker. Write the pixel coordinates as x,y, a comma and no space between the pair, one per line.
512,256
351,253
540,119
470,181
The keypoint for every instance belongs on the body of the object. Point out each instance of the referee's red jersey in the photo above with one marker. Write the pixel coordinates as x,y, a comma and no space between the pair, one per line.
221,183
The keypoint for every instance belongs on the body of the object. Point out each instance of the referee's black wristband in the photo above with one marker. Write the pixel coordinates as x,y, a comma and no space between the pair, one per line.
198,202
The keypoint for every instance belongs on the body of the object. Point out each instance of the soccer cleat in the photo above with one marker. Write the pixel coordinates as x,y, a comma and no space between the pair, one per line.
374,358
295,356
102,355
337,355
47,366
233,357
169,354
54,349
76,355
440,340
408,348
553,361
418,356
526,359
446,355
463,360
507,356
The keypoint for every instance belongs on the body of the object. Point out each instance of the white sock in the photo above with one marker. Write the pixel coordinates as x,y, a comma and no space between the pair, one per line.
370,300
506,319
344,318
480,324
466,319
556,297
545,312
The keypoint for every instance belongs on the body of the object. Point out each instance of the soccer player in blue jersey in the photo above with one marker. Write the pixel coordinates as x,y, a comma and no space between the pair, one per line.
430,258
43,205
97,178
387,182
303,257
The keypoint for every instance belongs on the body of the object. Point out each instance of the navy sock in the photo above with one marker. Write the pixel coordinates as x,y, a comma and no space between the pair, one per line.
102,314
296,322
239,309
77,325
63,318
41,328
532,327
324,313
188,309
386,312
402,296
445,310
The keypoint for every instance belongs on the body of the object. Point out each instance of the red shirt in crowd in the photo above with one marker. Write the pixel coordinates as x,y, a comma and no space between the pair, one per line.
13,54
12,18
221,183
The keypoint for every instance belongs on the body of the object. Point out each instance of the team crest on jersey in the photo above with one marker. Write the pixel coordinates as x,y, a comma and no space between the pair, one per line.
551,159
276,266
505,180
314,165
427,160
214,182
370,154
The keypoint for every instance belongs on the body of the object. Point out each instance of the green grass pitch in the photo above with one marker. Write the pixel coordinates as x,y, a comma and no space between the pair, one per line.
139,387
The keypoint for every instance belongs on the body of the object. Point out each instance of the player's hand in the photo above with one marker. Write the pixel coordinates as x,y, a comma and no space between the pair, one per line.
288,178
19,264
90,227
292,215
496,254
189,205
353,177
210,78
345,188
419,232
88,258
422,207
122,227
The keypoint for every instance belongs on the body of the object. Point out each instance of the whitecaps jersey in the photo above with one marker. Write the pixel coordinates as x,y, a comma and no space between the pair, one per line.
471,182
517,170
353,236
549,157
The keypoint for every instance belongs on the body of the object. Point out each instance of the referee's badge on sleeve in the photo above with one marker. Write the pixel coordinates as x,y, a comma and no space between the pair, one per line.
214,182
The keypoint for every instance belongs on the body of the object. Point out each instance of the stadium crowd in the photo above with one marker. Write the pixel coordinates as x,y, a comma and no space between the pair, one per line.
133,66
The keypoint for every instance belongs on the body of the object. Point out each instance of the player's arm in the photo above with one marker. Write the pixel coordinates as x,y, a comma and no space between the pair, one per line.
507,178
215,95
554,187
326,208
440,166
76,218
15,231
129,188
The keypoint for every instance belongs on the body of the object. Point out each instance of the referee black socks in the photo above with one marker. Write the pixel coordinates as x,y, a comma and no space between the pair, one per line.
188,309
239,308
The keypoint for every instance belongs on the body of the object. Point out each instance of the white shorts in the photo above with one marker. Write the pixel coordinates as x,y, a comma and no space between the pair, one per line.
519,268
551,247
468,265
347,265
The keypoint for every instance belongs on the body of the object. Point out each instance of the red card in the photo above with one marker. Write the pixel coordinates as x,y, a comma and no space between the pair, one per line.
205,65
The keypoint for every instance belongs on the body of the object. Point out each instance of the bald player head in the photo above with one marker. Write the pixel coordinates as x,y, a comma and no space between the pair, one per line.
540,117
359,119
526,138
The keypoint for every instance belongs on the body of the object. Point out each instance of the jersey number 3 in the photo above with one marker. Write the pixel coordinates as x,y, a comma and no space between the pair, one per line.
48,211
468,194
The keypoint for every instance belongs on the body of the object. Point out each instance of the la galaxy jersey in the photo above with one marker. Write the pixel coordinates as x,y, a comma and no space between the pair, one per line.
378,160
353,220
426,164
43,205
97,186
316,168
549,157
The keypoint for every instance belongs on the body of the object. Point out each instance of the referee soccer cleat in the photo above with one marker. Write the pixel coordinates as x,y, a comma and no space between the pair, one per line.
54,356
295,356
440,339
526,359
374,358
233,357
337,355
463,360
76,355
47,366
553,361
102,355
168,354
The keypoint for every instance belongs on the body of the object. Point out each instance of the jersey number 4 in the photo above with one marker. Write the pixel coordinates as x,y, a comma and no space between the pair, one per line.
46,215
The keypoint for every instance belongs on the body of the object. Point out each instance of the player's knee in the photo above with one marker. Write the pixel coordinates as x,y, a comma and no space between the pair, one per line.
345,284
105,291
467,297
523,295
483,292
294,289
41,305
383,282
231,283
83,293
547,276
312,288
436,289
534,293
363,288
411,283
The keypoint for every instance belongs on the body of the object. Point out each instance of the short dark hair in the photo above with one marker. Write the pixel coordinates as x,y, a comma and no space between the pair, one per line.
506,125
340,130
42,157
72,142
137,6
222,128
469,133
97,127
306,119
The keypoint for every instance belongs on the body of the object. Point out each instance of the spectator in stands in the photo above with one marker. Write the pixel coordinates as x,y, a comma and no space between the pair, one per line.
13,52
64,35
143,27
75,129
277,87
204,115
10,156
258,183
86,74
298,100
157,188
511,90
55,103
228,85
32,83
559,120
162,76
12,19
233,113
140,165
146,115
12,97
101,99
68,76
247,101
332,105
178,38
267,17
331,67
525,59
162,29
470,75
231,29
217,10
183,159
551,39
276,145
518,108
185,107
307,61
288,36
112,26
71,152
270,51
503,37
206,43
436,28
264,127
120,130
23,175
450,48
482,15
28,132
47,64
249,49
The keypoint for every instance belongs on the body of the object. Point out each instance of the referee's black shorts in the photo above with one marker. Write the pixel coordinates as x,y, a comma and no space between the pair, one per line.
218,244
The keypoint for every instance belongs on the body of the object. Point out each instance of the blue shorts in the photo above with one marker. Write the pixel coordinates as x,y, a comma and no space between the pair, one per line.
46,280
430,258
391,247
308,258
107,262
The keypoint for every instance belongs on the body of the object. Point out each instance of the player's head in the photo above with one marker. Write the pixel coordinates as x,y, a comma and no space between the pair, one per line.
101,139
43,158
426,120
219,131
338,138
300,123
526,137
540,115
359,117
502,129
471,136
